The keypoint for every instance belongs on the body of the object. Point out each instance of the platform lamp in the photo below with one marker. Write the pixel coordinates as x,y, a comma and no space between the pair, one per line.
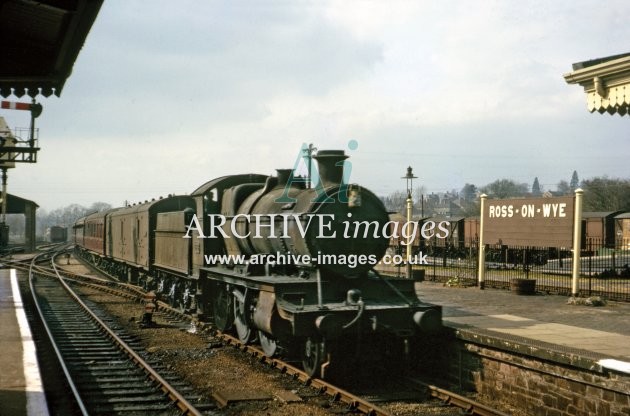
409,177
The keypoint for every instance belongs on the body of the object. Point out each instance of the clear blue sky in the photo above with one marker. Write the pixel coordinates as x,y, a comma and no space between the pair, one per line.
167,95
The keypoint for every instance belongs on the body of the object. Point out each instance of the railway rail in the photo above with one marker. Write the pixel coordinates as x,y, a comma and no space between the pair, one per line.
355,402
104,372
352,401
471,407
101,350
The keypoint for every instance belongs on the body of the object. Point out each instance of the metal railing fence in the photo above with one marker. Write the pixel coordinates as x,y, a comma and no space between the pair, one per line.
604,270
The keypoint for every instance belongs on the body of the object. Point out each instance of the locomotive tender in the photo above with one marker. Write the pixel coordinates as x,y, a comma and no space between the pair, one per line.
203,253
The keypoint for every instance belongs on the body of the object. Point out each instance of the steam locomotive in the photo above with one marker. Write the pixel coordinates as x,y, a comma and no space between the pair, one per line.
271,259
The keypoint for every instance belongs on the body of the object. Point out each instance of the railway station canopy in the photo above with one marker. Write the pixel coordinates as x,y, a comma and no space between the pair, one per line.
17,205
39,43
606,82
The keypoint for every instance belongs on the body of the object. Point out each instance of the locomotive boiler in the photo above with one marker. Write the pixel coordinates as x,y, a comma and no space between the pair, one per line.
326,224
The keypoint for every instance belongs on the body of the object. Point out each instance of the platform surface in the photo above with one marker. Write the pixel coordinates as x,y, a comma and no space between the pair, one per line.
21,391
599,332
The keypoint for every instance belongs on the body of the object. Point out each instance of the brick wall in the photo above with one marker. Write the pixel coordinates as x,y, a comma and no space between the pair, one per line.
536,386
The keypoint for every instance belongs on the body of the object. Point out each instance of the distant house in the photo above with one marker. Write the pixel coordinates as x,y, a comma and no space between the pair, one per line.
445,205
551,194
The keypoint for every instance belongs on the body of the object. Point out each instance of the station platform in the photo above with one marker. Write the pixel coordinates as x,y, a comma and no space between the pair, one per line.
545,326
22,256
21,390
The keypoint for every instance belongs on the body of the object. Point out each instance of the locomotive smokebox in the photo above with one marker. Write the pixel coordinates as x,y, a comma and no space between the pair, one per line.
321,223
330,166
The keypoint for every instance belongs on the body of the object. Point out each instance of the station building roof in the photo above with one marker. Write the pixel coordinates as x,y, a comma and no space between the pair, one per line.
39,43
606,82
599,214
17,205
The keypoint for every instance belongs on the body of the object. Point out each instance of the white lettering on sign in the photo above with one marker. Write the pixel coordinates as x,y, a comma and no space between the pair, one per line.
527,211
554,210
500,211
557,210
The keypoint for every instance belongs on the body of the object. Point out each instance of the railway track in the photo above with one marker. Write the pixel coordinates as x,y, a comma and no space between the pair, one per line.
105,374
353,402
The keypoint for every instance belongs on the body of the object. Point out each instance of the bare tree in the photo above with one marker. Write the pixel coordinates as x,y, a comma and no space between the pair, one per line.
563,188
396,201
505,188
66,216
606,194
469,192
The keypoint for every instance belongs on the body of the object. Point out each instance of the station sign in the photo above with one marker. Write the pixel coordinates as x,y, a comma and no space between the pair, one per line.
532,222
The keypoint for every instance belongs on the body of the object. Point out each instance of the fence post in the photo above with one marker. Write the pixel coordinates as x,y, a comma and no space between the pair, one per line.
526,262
577,241
434,262
482,245
444,256
589,248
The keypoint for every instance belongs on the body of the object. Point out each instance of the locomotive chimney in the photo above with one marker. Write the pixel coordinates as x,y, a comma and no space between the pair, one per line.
330,166
283,176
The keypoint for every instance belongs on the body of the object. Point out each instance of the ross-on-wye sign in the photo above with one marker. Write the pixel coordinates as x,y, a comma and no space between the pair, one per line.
532,222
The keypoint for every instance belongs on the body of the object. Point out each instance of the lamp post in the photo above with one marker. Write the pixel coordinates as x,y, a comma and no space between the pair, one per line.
409,178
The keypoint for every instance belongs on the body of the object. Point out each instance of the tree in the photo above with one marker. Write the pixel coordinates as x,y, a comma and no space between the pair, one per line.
563,188
99,207
419,200
469,192
66,216
417,194
605,194
536,189
575,182
505,188
396,201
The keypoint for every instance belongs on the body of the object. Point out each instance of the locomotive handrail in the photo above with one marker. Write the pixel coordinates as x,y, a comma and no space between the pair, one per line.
394,288
359,314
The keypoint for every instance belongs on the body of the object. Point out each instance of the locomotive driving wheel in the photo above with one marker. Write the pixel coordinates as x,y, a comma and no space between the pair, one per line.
183,299
179,296
269,344
222,307
313,355
242,305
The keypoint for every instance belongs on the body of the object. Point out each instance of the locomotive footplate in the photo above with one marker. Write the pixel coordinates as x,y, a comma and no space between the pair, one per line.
329,308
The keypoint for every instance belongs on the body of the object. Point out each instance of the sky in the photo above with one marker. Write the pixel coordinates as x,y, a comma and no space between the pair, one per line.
165,96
